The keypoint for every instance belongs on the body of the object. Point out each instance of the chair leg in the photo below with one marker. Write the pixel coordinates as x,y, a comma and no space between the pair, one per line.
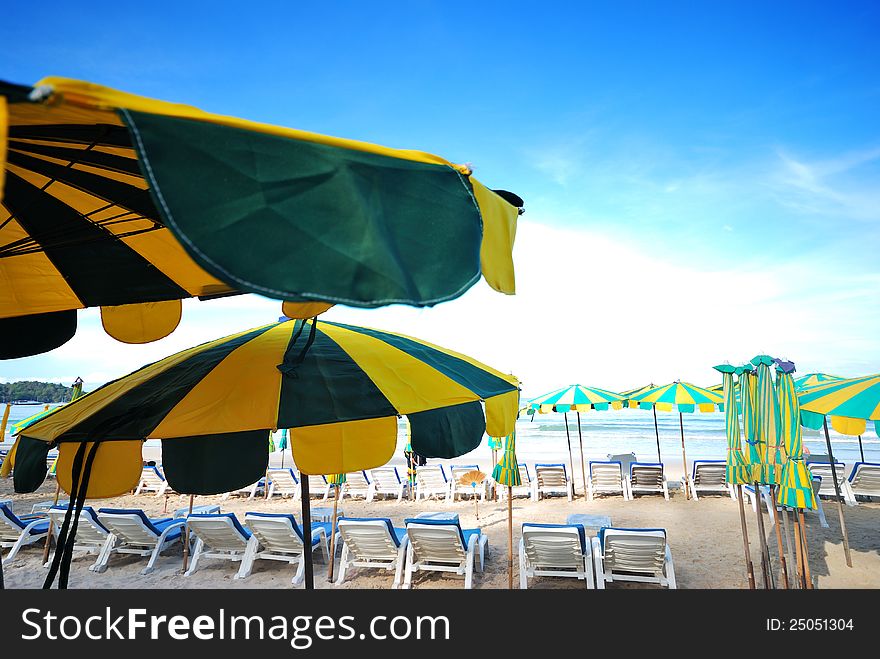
343,565
670,571
247,561
407,580
300,574
469,563
197,554
100,564
523,575
401,561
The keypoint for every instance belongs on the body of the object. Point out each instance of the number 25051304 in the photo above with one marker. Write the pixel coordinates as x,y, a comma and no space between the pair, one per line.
809,624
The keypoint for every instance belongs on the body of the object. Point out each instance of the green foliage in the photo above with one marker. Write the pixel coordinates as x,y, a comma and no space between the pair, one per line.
43,392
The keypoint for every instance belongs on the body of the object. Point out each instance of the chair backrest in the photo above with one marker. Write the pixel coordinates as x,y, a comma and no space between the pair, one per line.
457,471
385,478
555,545
89,529
317,483
284,479
152,478
357,481
823,469
633,550
866,476
436,540
219,531
551,475
646,474
129,524
711,473
606,474
10,525
525,478
431,476
369,538
276,532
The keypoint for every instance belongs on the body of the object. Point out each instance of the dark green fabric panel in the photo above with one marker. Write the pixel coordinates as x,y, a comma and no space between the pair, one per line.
214,464
84,253
135,414
30,467
447,432
328,223
23,336
328,386
481,382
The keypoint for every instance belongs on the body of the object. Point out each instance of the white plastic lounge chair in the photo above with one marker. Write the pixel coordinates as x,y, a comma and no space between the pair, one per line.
278,537
554,550
708,477
455,487
525,487
372,542
641,555
431,481
817,484
606,477
865,479
357,484
823,470
318,486
153,480
647,478
17,532
386,481
91,535
132,532
217,535
284,482
441,545
551,479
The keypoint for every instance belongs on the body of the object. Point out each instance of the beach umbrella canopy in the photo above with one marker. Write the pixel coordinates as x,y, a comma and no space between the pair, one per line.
338,388
132,204
850,403
768,426
796,483
812,380
736,461
629,393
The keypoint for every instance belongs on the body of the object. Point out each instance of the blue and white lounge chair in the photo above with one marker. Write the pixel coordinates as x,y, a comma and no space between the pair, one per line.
455,486
318,486
278,537
708,477
91,535
823,470
285,483
554,550
865,479
17,532
606,477
372,542
357,484
132,532
551,479
217,535
524,489
641,555
386,481
647,478
441,545
153,480
431,481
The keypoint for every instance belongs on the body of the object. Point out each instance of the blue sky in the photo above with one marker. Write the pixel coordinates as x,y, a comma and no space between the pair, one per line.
701,180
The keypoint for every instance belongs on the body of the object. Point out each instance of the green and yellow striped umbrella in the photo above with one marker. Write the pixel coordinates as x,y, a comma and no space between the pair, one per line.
852,400
767,470
736,461
796,483
506,472
338,388
630,393
575,398
812,380
132,204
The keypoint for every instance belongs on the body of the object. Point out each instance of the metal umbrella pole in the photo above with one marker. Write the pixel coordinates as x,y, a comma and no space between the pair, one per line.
839,498
861,450
186,535
581,440
657,433
307,531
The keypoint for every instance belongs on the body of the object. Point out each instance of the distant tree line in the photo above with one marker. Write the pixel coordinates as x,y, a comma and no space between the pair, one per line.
43,392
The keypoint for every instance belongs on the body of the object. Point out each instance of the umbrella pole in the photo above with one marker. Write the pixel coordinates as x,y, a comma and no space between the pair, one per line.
788,548
333,531
49,534
750,569
839,498
657,433
779,548
581,439
799,552
807,576
765,552
510,537
684,462
570,459
307,531
186,536
861,450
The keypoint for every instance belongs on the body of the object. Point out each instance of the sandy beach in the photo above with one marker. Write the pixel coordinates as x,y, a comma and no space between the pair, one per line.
704,536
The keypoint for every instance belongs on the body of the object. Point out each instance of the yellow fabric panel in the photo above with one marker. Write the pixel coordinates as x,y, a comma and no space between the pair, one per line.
499,232
4,131
663,407
304,310
56,423
617,405
30,114
683,396
141,323
848,426
545,409
116,469
81,94
501,412
338,448
706,407
9,461
241,393
408,383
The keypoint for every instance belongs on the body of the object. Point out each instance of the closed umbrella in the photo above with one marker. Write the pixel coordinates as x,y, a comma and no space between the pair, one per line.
132,204
338,388
506,472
